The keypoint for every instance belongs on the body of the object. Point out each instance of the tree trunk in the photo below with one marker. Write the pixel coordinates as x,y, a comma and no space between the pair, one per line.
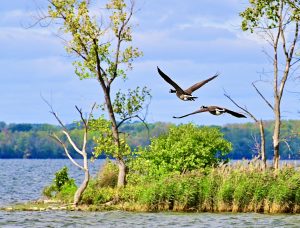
122,173
262,144
276,135
120,161
85,182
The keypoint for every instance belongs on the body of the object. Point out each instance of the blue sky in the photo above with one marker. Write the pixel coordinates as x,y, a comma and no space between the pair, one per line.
189,40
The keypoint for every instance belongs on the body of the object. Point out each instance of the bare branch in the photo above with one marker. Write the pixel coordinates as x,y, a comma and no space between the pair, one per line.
268,55
81,115
295,62
80,54
284,44
86,125
72,142
53,113
91,113
54,136
65,130
294,41
135,116
146,125
262,96
120,39
244,109
286,143
125,119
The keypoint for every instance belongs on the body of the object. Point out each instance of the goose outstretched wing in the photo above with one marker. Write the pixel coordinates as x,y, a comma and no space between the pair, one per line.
192,113
236,114
170,81
200,84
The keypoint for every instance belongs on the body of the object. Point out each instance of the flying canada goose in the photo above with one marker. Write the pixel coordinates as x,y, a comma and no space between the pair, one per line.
185,95
215,110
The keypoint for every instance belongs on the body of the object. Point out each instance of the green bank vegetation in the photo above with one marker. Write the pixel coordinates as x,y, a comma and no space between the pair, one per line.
187,174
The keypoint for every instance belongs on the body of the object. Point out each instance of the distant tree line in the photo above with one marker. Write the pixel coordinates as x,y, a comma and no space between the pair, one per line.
34,141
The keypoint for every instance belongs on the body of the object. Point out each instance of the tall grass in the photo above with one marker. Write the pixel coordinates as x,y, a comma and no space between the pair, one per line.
241,187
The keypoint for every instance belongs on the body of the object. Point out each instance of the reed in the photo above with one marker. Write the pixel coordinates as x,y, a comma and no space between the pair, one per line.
240,187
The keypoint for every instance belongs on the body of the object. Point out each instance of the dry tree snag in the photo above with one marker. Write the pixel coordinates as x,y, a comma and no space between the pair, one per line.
277,22
82,151
262,152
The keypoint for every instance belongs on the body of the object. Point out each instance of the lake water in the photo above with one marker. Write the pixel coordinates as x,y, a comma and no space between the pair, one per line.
23,180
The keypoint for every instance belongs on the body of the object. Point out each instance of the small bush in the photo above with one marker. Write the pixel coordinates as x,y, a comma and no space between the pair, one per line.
108,175
67,191
49,191
61,178
96,195
62,186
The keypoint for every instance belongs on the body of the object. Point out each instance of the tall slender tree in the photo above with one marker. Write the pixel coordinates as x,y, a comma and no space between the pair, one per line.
102,42
278,22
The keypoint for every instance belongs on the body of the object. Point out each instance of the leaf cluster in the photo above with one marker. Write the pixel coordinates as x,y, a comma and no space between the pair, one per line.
267,14
127,105
105,141
90,40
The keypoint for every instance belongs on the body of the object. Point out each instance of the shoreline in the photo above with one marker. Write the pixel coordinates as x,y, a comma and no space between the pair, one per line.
56,205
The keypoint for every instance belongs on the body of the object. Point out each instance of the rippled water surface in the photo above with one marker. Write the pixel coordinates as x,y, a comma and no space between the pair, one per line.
23,180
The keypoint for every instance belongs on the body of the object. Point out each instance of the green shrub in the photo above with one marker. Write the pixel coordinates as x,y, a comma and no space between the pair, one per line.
62,186
67,191
96,195
61,178
184,148
49,191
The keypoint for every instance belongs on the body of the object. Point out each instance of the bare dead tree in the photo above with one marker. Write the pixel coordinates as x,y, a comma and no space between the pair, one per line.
82,151
260,124
278,23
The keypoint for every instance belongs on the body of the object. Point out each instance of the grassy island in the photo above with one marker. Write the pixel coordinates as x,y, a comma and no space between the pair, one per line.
242,187
187,175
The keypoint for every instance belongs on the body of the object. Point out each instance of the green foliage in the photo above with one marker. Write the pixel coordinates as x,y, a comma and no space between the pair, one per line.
238,188
61,178
265,14
105,141
62,186
286,187
96,195
126,105
67,191
183,148
89,39
49,191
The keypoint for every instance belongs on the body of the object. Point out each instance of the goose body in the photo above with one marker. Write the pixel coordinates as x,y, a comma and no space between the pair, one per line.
214,110
185,95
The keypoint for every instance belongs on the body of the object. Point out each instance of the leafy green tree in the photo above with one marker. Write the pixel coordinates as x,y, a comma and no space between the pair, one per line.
278,22
89,38
184,148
